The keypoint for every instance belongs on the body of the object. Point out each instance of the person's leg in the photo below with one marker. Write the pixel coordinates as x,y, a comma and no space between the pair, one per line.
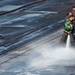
63,38
72,38
72,30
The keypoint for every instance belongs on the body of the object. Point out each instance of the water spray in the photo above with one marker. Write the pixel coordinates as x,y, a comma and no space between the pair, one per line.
68,42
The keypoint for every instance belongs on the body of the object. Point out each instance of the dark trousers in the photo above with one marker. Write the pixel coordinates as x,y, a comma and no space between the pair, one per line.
73,30
64,37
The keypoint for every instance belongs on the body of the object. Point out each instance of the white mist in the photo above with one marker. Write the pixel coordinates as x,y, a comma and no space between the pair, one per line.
45,56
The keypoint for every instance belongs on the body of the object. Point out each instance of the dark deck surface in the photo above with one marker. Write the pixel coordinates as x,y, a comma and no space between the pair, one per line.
29,37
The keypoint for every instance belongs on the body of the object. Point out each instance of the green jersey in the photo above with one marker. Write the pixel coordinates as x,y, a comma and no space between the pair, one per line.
66,27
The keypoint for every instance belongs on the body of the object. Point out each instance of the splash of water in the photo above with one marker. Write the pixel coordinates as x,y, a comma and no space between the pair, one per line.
68,42
50,56
45,56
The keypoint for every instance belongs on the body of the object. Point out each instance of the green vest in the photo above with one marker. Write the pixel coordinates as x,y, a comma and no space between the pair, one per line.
66,27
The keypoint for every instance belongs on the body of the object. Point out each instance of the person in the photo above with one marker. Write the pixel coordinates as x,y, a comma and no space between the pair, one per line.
73,11
68,27
73,21
69,15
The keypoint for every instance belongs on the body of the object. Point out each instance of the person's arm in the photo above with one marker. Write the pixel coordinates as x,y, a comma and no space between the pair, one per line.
65,28
71,26
67,32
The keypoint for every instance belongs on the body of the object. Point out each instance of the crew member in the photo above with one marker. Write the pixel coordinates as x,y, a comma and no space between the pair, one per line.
68,27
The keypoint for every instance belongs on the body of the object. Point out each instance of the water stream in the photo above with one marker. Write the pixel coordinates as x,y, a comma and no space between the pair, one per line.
68,42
